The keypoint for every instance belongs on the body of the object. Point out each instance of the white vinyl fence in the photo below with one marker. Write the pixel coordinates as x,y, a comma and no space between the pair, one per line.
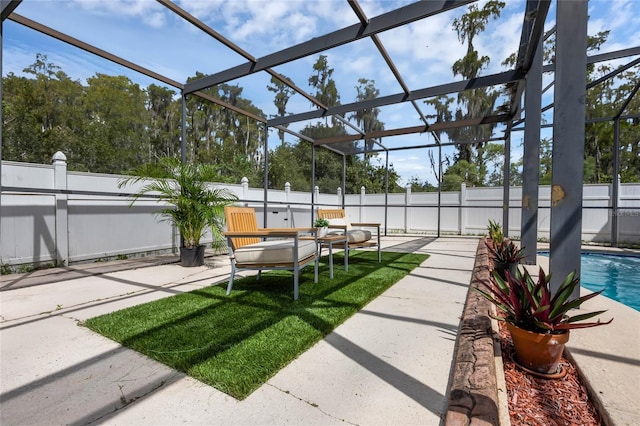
92,219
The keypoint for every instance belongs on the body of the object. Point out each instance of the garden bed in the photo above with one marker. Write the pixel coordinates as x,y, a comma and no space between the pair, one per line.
485,385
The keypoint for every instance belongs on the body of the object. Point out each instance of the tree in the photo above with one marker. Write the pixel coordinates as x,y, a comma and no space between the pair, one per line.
116,132
495,158
326,90
367,118
417,185
231,142
470,140
164,123
42,115
603,100
458,173
477,102
282,95
606,100
285,166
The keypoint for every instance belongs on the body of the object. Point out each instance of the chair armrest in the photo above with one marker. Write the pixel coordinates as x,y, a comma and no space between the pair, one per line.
337,227
377,225
299,230
271,232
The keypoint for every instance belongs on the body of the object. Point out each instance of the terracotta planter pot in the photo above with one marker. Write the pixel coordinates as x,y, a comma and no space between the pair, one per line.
536,351
193,256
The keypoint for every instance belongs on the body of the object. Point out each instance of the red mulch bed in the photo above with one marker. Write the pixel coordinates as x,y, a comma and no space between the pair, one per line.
536,401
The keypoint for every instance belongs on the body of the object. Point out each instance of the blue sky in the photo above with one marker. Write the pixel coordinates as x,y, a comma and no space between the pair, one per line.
145,32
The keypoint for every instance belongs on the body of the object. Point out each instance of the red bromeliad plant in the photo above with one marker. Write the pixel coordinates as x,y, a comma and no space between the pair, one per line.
506,252
531,306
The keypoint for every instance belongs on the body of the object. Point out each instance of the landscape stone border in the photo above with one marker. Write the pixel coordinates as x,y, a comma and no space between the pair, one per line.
474,397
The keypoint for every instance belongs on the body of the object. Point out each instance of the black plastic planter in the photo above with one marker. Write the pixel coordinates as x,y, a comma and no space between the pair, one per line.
193,256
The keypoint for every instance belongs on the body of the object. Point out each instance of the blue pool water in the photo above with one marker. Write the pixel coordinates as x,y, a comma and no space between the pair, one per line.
618,275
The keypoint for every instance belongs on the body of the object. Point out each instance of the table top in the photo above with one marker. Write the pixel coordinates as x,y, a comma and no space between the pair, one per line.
327,238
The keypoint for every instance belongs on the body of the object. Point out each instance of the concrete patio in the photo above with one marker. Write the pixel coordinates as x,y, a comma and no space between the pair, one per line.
388,364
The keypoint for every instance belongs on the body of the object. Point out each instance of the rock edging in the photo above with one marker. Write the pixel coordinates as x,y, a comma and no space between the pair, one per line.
473,387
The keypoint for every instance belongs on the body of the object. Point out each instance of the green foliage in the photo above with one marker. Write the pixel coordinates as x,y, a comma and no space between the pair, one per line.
417,185
459,173
495,231
321,223
494,155
27,267
111,125
607,99
292,163
41,115
531,306
116,125
5,268
192,205
236,343
469,163
283,93
321,80
367,119
505,251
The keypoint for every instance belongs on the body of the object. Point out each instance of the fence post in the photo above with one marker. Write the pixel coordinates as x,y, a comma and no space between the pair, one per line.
407,209
59,161
287,193
615,204
463,211
245,189
363,193
339,196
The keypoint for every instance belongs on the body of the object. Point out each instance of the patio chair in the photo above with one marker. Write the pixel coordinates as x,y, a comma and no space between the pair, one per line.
357,238
253,248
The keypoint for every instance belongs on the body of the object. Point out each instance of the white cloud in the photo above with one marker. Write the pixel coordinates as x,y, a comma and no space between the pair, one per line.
151,13
501,39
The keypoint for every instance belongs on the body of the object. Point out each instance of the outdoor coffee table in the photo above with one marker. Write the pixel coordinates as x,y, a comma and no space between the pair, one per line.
329,241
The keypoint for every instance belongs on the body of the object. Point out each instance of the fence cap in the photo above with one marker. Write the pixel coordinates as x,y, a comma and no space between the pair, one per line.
59,156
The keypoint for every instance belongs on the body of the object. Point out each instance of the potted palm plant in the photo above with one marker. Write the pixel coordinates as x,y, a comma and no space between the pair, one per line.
192,204
539,322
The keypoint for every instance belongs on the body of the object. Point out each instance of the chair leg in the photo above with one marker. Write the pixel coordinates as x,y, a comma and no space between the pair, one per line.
296,274
259,273
233,274
315,271
295,284
346,258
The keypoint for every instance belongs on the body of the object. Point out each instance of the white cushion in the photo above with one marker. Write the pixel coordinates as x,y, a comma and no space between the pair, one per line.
274,251
340,221
355,235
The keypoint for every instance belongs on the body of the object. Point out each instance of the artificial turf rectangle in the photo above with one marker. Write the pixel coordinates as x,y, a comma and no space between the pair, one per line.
236,343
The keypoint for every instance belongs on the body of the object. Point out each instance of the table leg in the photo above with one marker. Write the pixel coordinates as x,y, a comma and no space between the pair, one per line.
330,259
346,256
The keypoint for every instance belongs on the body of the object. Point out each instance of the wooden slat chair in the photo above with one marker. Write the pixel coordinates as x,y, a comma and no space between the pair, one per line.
356,238
254,248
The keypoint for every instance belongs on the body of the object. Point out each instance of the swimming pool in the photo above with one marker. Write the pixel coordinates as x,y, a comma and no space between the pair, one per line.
618,274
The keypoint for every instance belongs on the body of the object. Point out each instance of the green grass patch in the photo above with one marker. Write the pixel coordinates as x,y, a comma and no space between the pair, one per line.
236,343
